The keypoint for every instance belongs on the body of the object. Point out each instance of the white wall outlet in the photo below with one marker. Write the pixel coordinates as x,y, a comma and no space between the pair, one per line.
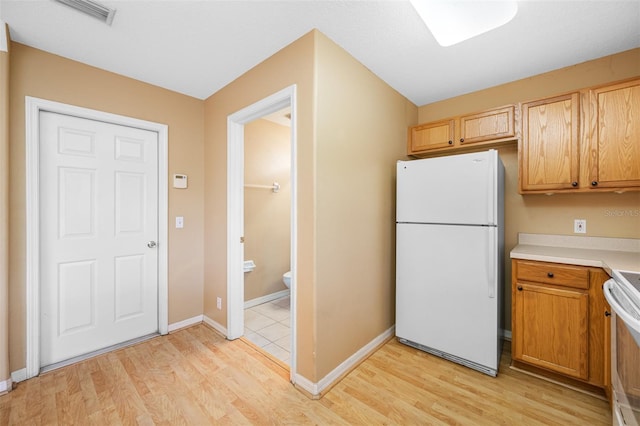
219,303
179,222
580,226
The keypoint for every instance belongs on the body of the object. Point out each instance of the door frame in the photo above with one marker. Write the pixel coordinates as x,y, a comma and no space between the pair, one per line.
32,120
235,211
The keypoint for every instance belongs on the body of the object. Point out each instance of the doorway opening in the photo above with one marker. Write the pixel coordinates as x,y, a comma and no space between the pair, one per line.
267,232
284,99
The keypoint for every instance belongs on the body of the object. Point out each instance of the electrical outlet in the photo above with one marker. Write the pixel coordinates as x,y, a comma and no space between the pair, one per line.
580,226
219,303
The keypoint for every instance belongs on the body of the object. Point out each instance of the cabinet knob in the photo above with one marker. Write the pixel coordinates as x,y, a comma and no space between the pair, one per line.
550,274
574,184
461,140
594,183
607,313
450,142
519,288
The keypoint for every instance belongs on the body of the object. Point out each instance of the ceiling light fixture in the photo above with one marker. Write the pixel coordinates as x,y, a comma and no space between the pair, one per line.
451,22
92,8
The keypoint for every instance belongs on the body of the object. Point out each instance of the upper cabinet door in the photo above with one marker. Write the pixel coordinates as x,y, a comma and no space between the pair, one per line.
470,132
549,153
489,125
431,136
615,135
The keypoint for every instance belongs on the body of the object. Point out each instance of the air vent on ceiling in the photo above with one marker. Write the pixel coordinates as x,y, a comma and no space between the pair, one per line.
92,8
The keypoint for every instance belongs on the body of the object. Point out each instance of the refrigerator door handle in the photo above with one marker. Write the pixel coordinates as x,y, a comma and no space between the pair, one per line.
491,262
491,181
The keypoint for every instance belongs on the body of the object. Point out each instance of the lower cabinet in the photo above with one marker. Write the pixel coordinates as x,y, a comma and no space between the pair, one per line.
552,329
559,320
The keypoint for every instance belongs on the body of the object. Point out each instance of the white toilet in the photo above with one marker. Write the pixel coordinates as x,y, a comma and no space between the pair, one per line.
286,279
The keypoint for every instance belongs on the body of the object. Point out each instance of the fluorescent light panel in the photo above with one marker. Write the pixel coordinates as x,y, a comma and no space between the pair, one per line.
92,8
454,21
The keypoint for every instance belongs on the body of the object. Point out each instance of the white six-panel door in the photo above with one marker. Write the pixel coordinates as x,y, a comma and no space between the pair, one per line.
98,230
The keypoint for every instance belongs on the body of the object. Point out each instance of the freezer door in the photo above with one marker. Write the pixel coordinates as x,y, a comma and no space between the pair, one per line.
459,189
447,294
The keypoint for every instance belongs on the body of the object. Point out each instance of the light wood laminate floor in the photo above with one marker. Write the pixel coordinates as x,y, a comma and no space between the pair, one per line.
196,377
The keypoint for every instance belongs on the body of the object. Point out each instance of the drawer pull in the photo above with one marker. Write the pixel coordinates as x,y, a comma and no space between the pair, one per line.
607,313
519,288
550,274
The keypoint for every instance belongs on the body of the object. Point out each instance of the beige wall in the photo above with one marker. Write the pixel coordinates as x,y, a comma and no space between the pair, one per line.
4,209
43,75
267,214
351,130
553,214
292,65
361,133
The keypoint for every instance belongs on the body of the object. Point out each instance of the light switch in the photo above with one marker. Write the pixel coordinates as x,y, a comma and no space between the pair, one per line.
179,222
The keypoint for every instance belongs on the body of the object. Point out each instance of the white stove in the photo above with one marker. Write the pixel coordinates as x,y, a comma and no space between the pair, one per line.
623,294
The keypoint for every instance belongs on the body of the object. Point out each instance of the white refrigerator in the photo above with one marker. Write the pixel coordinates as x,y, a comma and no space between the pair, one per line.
450,257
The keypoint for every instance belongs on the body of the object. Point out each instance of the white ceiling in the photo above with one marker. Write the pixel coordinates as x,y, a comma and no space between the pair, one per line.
198,47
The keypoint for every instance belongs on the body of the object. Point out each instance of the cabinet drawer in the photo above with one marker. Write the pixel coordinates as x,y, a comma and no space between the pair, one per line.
553,273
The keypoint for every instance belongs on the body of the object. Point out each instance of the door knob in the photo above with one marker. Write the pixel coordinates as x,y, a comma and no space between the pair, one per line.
151,244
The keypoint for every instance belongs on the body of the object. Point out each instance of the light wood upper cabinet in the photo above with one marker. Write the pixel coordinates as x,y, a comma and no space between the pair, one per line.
485,128
558,320
430,136
582,142
489,125
549,151
615,135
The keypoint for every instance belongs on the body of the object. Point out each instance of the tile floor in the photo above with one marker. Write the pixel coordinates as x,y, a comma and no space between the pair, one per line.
268,326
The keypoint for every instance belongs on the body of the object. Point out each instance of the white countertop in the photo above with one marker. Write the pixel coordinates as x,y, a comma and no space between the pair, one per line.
622,254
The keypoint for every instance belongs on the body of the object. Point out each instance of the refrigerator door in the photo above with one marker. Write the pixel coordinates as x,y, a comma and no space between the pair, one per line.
447,293
458,189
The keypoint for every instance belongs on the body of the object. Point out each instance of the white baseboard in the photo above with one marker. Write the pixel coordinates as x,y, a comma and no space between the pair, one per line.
215,325
19,375
307,385
186,323
506,335
264,299
5,386
315,389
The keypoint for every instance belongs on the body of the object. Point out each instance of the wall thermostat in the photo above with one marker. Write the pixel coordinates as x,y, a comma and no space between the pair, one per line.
180,181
